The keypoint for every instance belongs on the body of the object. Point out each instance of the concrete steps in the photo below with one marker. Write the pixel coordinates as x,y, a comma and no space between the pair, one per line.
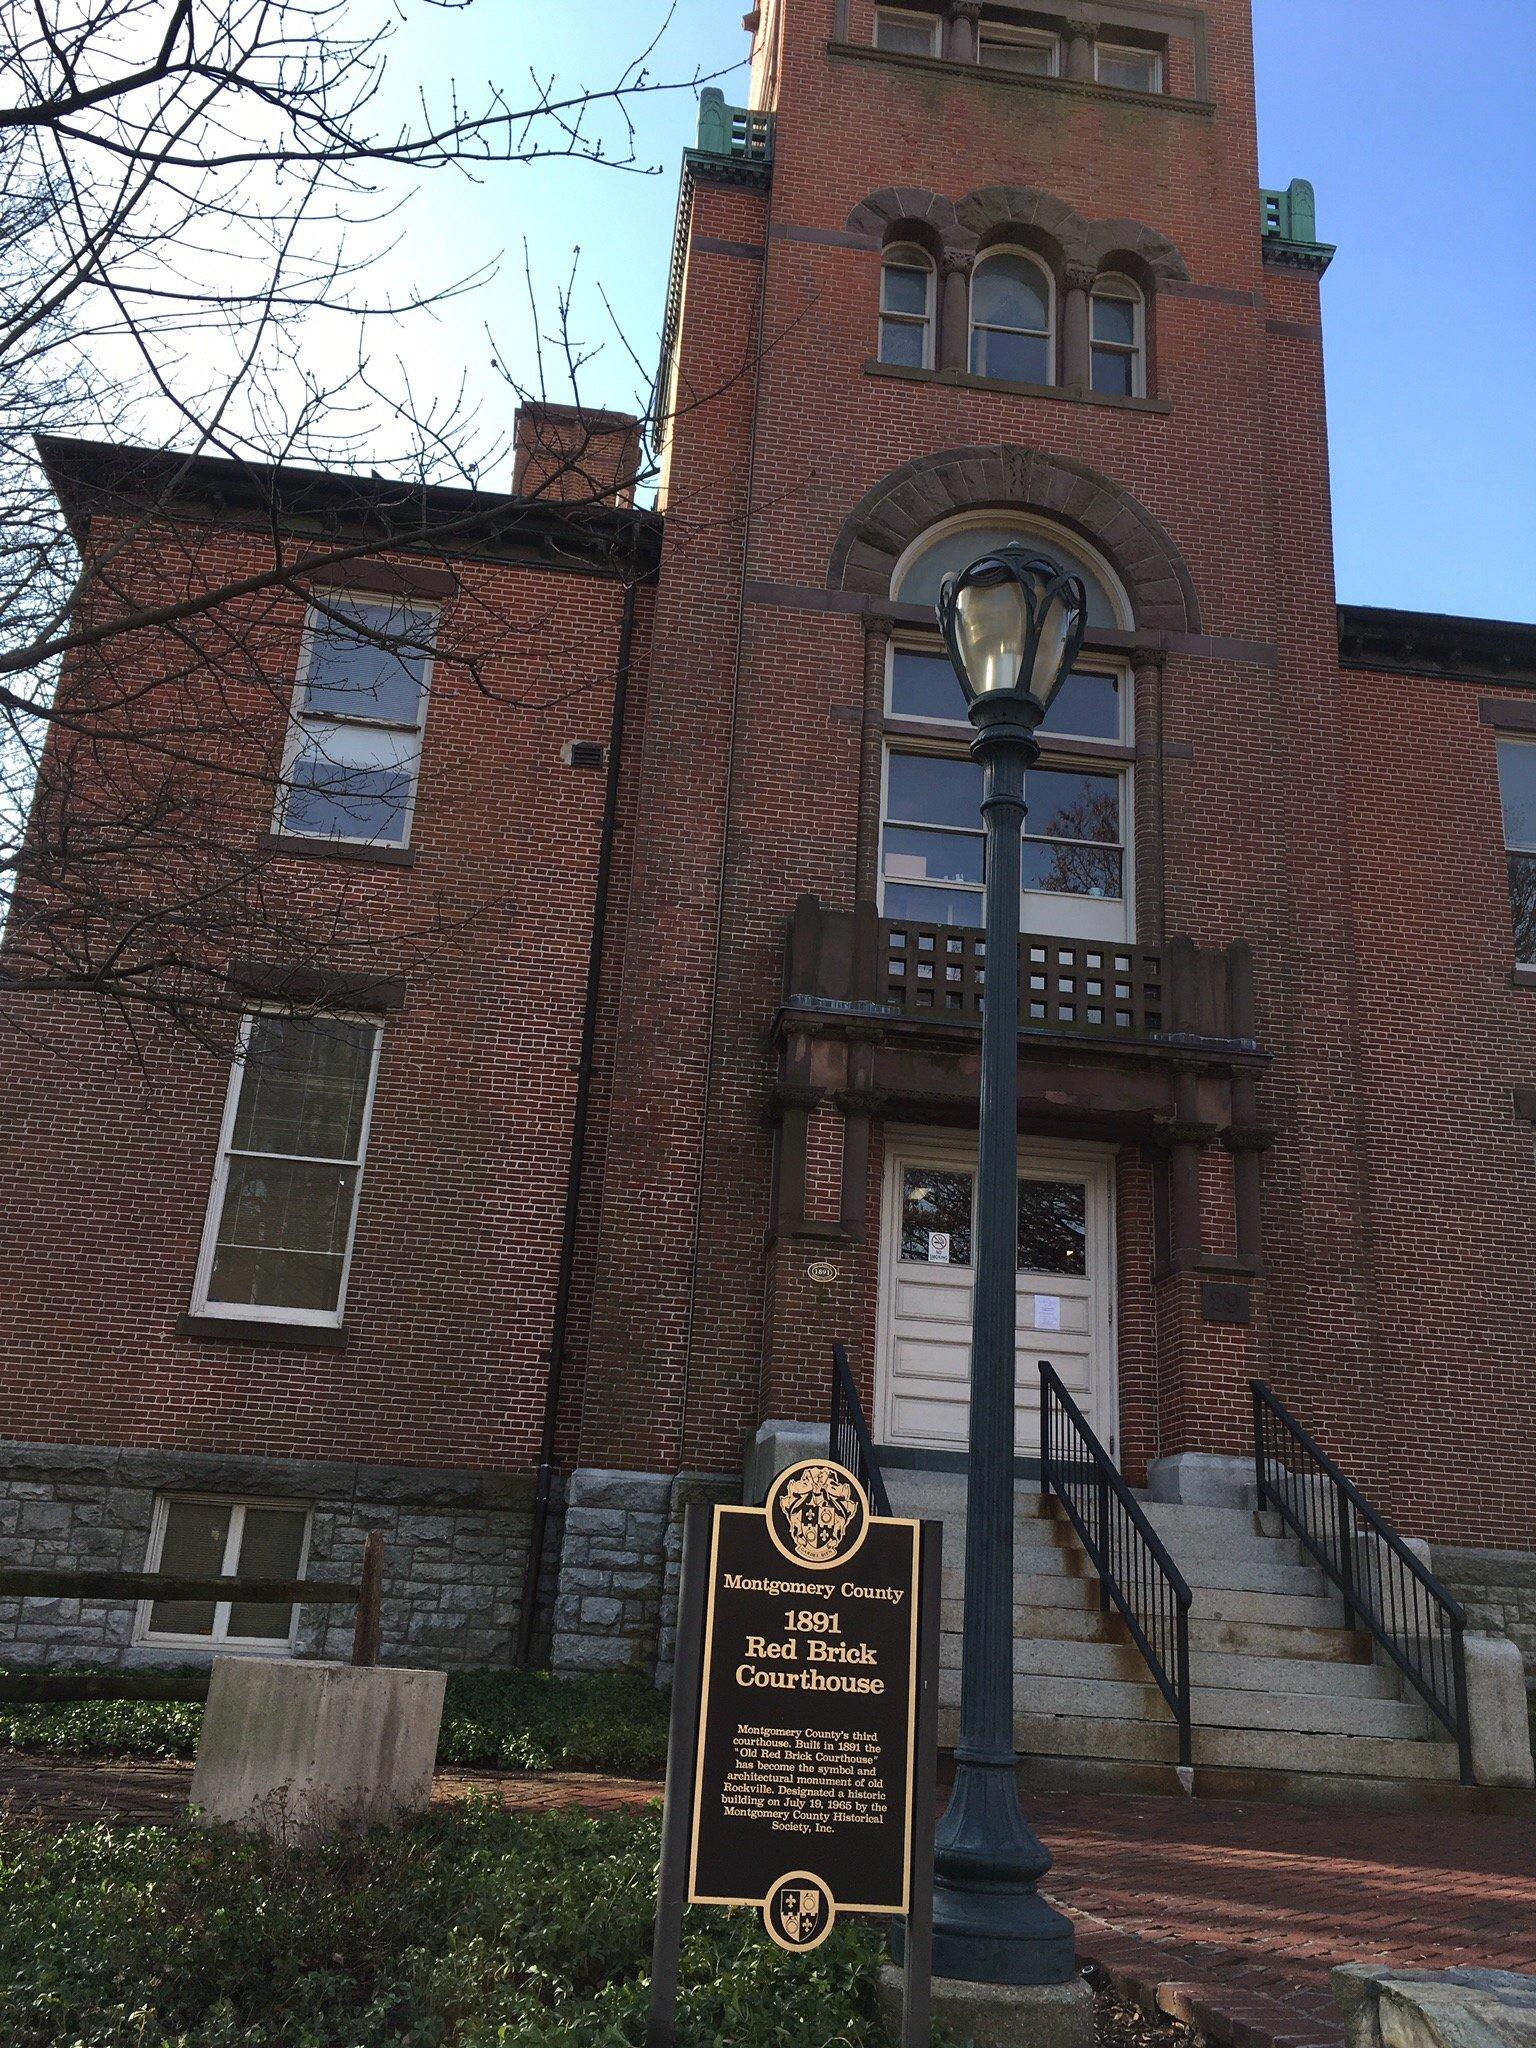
1288,1699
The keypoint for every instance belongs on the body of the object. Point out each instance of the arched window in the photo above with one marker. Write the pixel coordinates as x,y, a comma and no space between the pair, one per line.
1119,339
959,542
1013,327
1077,868
906,308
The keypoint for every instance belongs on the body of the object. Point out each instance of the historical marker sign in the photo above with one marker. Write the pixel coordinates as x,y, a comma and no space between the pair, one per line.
803,1792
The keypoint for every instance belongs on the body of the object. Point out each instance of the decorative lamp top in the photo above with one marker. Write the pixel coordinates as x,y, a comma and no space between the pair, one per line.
1013,621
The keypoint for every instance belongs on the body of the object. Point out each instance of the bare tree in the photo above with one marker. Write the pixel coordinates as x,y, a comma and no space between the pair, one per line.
186,188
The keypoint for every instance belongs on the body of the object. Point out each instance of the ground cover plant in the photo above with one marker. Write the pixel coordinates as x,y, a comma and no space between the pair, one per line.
493,1720
470,1928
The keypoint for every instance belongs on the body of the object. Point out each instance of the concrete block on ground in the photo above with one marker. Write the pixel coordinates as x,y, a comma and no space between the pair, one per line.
1498,1711
1204,1479
1384,2007
999,2015
296,1749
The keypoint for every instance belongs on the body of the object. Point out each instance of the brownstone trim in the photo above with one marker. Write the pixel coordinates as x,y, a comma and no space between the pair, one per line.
390,579
229,1330
717,245
1295,330
921,494
1523,977
1213,294
338,849
1070,394
1506,714
318,987
1072,88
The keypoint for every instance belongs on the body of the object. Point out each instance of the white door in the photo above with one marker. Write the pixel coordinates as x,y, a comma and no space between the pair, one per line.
1066,1289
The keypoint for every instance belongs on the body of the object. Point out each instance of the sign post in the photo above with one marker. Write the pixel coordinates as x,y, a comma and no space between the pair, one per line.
800,1777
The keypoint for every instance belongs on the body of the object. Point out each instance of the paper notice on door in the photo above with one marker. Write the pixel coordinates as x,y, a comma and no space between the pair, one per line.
938,1247
1047,1311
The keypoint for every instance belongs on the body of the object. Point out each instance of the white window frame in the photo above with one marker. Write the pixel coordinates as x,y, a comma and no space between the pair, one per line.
1030,38
1507,743
257,1312
301,721
218,1637
1077,758
1116,285
908,256
1039,264
1152,57
929,23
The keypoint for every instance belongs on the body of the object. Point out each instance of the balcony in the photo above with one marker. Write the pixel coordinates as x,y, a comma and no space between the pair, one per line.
1179,997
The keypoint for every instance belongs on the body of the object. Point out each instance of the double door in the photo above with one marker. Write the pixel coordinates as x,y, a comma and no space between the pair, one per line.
1064,1291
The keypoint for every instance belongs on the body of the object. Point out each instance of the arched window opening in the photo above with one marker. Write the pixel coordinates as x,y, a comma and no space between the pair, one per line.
1119,339
906,308
1013,327
946,549
1077,870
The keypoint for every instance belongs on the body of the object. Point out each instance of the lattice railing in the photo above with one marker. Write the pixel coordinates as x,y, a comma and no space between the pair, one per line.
1076,985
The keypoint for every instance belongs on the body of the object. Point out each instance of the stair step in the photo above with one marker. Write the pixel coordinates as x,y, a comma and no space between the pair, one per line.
1335,1644
1091,1700
1094,1657
1247,1749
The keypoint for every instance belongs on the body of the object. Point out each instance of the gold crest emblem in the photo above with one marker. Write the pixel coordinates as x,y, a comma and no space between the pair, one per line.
818,1514
798,1912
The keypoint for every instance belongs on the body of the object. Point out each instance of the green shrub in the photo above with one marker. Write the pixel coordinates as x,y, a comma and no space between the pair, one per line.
471,1928
498,1720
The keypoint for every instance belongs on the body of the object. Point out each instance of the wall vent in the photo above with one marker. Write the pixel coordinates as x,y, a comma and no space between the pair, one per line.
584,754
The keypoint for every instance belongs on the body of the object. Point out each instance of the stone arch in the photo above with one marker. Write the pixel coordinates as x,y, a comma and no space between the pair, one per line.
906,503
902,213
989,216
1138,251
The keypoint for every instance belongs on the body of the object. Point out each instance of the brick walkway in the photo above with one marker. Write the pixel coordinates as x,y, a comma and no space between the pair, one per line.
1226,1915
1231,1915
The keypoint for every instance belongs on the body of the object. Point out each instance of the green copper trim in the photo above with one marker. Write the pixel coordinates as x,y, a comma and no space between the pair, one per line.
733,134
1290,228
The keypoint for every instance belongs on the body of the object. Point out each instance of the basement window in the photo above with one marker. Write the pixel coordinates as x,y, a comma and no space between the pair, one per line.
907,35
214,1538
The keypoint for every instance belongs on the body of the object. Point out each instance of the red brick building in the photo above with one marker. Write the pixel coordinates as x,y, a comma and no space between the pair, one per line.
963,272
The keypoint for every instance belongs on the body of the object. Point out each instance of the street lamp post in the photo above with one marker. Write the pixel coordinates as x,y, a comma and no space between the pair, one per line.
1014,625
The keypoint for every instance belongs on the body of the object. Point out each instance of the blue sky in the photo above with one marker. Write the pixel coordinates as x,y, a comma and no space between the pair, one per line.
1416,131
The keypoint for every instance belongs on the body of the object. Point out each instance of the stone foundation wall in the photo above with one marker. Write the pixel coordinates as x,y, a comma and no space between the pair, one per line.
616,1608
1498,1590
456,1545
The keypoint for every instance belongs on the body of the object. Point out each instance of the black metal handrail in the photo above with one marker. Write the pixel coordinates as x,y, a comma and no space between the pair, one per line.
1415,1619
849,1442
1136,1573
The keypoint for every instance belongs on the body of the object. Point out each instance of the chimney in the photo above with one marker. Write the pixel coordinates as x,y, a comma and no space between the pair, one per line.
569,454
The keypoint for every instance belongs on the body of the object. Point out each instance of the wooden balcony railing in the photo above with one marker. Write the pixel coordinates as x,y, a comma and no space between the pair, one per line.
1084,988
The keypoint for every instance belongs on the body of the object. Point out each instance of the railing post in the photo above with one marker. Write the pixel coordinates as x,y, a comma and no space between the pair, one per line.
1103,1558
1463,1715
1186,1696
367,1634
1344,1523
1258,1443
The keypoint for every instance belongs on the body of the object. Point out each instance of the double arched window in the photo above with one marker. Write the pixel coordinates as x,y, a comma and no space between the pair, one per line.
1013,319
907,308
1021,329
